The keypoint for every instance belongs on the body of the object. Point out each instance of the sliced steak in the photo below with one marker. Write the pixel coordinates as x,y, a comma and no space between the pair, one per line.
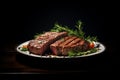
42,42
63,46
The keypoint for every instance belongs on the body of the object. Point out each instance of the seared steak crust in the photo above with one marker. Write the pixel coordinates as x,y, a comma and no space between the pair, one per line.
42,42
63,46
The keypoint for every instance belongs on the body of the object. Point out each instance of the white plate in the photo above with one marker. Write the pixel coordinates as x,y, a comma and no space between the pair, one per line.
101,49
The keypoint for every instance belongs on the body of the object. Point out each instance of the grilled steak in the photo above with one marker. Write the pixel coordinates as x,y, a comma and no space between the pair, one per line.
63,46
42,42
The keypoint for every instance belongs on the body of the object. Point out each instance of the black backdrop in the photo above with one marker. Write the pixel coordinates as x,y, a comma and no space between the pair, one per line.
22,23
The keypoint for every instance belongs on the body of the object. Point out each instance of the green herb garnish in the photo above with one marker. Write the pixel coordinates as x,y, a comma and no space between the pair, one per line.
24,49
77,32
80,53
91,38
60,28
37,34
80,29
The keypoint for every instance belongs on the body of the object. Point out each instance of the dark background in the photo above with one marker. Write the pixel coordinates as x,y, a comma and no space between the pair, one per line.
21,23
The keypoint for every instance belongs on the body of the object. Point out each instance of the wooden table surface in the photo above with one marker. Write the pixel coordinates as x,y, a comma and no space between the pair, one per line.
13,62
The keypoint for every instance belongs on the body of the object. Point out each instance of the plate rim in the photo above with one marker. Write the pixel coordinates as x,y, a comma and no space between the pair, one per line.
50,56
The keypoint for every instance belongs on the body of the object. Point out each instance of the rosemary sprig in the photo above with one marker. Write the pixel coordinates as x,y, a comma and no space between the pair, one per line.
77,32
36,35
80,29
60,28
80,53
91,38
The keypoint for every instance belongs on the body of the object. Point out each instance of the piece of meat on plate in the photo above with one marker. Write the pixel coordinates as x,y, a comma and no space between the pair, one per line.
69,43
42,42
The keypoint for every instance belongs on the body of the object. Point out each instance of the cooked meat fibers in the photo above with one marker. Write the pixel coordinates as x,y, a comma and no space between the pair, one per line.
63,46
42,42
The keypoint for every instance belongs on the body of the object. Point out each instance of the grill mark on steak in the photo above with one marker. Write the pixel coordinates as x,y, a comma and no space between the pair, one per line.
62,45
62,40
55,47
72,43
71,38
42,42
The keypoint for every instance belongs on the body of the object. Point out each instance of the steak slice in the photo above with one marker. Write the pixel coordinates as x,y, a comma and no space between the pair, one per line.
42,42
63,46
